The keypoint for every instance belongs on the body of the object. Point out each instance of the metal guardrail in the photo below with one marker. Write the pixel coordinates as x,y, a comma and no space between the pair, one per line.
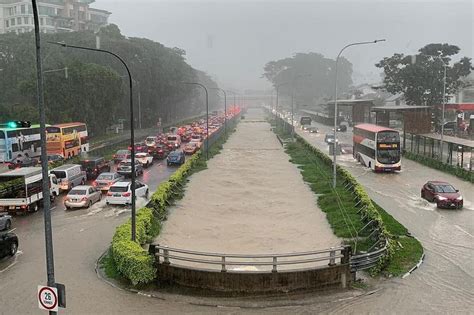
167,255
367,260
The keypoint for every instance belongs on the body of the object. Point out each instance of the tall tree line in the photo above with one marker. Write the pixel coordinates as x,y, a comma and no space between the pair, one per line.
96,89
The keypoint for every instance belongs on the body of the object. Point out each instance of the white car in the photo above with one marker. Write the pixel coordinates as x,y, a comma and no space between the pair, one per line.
83,196
120,193
145,159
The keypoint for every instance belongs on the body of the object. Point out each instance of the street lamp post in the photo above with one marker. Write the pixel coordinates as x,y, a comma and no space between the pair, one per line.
277,96
207,115
334,171
225,108
132,127
48,230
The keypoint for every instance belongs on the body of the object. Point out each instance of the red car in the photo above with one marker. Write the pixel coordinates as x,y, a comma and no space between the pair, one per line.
444,194
160,151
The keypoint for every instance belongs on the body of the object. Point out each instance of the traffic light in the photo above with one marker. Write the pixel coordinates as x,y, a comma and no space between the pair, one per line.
18,124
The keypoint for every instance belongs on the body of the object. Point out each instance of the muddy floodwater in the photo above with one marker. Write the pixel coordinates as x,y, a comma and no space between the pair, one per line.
250,200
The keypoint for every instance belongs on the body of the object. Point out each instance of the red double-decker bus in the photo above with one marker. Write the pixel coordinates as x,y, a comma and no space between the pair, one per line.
377,147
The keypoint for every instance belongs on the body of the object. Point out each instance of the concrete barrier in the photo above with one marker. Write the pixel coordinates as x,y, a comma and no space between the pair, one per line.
330,277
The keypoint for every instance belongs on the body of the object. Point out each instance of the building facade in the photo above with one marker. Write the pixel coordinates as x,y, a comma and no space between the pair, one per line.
55,16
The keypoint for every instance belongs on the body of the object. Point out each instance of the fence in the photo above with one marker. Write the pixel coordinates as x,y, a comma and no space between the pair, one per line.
254,273
254,263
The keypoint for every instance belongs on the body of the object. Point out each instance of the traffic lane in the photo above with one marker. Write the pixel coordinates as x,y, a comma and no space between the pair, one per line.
446,235
80,236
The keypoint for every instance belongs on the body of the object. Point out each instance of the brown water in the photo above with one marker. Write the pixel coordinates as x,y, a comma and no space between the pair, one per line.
250,200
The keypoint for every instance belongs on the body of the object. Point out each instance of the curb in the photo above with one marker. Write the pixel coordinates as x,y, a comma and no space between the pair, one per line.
415,267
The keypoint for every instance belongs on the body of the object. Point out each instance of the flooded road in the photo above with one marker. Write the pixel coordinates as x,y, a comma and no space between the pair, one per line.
445,281
250,200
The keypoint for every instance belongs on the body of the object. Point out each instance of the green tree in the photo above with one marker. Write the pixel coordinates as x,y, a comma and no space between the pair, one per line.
319,76
420,77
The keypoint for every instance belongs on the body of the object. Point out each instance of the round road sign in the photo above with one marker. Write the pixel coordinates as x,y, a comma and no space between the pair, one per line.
48,298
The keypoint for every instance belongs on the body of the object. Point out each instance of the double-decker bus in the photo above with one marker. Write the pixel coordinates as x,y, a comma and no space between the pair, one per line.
18,143
68,140
377,147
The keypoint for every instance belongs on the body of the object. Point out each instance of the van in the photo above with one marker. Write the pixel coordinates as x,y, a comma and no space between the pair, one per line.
69,175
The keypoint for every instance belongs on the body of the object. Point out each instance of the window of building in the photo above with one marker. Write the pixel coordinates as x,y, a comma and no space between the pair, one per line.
26,20
7,23
10,11
12,22
18,21
42,21
23,9
30,9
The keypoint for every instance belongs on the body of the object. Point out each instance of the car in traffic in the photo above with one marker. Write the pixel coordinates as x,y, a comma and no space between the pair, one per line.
346,148
190,148
139,147
121,155
160,151
176,157
5,222
83,196
151,141
125,168
329,138
145,159
443,193
8,244
25,162
341,128
312,129
93,166
53,158
174,140
197,138
120,193
105,180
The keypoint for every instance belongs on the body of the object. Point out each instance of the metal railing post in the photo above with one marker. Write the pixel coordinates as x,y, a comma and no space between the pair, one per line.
166,258
223,269
274,269
332,259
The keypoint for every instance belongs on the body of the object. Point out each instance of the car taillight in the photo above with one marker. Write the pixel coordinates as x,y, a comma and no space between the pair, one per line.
94,183
127,194
109,194
114,156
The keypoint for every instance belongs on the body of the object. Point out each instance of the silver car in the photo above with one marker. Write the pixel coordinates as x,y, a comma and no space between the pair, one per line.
82,196
5,222
105,180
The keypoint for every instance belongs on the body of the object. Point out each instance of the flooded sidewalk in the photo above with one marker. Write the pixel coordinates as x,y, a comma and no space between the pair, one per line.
250,200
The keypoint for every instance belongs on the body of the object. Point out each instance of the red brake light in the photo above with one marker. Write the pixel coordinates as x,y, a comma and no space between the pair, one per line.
126,194
94,183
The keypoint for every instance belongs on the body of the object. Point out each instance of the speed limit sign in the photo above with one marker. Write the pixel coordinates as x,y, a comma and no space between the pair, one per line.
48,298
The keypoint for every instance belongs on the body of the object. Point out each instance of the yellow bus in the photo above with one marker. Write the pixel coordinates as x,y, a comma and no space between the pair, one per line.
68,140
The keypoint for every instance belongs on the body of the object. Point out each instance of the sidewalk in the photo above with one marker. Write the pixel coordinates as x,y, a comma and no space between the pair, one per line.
250,200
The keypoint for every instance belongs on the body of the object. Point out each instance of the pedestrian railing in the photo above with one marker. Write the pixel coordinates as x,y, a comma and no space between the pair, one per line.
367,260
251,262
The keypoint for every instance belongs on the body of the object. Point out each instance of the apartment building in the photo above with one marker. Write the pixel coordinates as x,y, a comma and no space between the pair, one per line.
55,16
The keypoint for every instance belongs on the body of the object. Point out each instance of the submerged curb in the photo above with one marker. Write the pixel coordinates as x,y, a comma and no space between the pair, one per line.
416,266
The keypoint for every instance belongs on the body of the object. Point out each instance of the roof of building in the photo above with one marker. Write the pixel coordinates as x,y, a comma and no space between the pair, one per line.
398,108
353,102
394,97
71,124
23,171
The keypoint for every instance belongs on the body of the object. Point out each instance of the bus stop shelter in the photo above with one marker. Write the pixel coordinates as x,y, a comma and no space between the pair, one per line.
357,111
456,151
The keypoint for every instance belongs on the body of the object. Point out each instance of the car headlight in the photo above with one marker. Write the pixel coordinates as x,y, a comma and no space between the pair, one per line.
459,198
441,198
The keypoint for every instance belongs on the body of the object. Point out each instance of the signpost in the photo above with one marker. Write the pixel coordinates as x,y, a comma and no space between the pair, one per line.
48,298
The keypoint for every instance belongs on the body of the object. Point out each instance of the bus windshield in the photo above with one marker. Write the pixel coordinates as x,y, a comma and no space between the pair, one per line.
388,156
388,136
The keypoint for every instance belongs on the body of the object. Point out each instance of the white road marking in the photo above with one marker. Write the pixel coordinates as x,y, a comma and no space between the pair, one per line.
462,230
11,230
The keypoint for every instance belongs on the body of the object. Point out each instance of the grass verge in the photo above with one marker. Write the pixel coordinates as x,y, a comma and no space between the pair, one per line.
345,218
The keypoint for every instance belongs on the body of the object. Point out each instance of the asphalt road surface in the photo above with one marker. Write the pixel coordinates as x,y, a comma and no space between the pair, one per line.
445,281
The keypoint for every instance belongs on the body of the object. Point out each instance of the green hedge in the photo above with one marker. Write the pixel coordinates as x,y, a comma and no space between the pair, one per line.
132,261
370,211
436,164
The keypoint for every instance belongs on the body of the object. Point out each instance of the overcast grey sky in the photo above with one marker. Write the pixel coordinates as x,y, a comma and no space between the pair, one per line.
232,40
